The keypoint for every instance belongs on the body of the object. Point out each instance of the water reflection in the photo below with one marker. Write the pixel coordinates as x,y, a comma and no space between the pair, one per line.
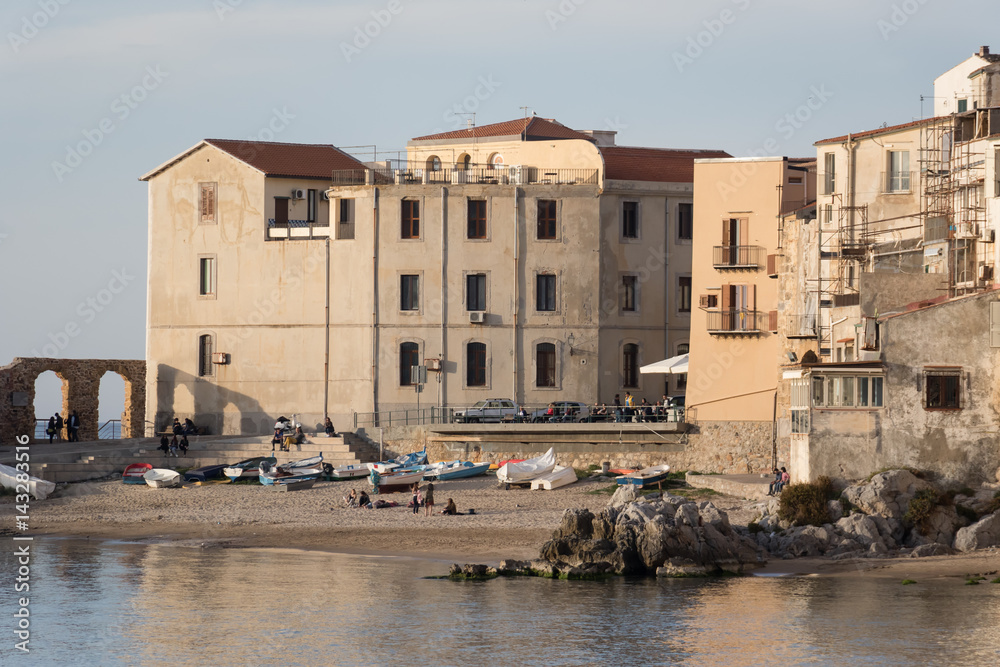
107,603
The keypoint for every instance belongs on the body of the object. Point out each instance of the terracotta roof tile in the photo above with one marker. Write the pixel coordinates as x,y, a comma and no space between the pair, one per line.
665,165
881,130
293,160
534,128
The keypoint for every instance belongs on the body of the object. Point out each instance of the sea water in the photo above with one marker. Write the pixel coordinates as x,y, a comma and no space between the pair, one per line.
108,603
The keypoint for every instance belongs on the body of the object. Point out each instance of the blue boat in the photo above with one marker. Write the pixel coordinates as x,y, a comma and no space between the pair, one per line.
297,471
461,470
205,473
645,477
247,468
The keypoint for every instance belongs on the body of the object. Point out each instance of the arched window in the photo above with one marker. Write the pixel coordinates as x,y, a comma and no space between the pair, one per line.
205,347
630,365
464,161
434,163
409,356
545,365
475,365
682,348
495,160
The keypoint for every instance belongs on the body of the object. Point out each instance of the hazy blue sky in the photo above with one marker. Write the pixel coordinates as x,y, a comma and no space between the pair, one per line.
98,92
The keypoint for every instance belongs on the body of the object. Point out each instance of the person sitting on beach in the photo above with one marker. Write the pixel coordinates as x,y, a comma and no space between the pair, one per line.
184,445
164,445
351,499
775,482
189,427
450,509
331,432
364,500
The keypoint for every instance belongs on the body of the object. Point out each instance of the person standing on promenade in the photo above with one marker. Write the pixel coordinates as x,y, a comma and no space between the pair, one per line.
59,426
429,499
50,429
73,427
416,497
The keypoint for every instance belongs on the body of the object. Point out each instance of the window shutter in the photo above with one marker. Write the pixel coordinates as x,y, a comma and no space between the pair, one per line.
727,297
704,300
725,232
995,324
753,298
772,321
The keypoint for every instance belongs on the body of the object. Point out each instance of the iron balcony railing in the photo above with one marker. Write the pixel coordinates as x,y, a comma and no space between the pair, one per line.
896,182
737,256
387,418
471,175
736,320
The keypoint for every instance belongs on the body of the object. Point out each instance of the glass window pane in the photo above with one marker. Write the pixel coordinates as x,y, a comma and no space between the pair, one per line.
832,391
876,392
862,392
817,397
847,395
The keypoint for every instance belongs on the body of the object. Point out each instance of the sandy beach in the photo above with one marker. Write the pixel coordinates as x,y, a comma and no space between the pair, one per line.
507,524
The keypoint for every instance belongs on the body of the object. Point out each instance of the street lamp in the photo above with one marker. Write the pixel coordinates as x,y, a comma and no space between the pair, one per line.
569,341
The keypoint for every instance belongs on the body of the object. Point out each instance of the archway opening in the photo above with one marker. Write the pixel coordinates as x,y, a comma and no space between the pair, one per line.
110,406
50,395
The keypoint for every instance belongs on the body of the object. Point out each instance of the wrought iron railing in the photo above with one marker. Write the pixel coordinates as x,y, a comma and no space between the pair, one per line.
415,417
737,256
736,320
471,175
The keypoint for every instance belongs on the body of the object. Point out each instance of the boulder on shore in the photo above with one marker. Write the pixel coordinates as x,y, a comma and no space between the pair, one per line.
984,533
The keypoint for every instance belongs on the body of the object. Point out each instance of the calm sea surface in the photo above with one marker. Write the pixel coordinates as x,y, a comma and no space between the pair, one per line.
100,603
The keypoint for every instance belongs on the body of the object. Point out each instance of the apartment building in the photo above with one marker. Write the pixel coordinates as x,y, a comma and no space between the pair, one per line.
523,260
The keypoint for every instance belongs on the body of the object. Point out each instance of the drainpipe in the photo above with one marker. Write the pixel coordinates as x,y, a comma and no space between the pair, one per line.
326,351
375,216
442,393
517,236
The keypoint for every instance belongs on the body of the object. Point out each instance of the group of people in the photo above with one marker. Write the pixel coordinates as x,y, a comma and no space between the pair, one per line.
781,479
286,434
187,428
420,499
174,447
631,411
54,427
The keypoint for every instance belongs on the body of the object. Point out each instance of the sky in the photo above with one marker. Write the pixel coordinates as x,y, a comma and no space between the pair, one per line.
99,92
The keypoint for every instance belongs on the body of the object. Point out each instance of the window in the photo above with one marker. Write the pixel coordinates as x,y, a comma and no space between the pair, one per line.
628,300
827,214
545,365
475,291
475,365
630,220
795,180
411,219
206,198
205,368
800,405
409,292
281,211
847,391
734,250
547,220
685,222
206,276
943,389
311,196
434,163
409,356
345,219
682,378
477,219
996,173
545,292
630,365
963,105
830,177
684,294
899,172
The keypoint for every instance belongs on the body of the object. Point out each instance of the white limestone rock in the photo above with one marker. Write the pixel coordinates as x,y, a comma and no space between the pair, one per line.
984,533
624,494
888,493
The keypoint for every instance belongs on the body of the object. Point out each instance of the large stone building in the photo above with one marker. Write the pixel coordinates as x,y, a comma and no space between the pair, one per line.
522,260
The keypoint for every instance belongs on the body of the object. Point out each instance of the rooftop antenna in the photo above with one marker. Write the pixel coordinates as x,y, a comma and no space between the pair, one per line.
524,132
470,124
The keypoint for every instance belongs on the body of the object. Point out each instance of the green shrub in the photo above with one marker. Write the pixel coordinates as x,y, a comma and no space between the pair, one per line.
805,504
907,582
966,491
971,582
921,507
995,581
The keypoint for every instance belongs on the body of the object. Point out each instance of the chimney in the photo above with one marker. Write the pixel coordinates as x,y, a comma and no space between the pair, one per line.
984,51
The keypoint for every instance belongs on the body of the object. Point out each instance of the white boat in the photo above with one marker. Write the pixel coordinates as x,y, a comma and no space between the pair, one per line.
159,478
38,488
527,470
350,472
296,471
560,476
390,481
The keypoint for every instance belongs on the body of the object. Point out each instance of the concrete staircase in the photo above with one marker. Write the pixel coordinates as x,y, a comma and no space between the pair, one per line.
74,466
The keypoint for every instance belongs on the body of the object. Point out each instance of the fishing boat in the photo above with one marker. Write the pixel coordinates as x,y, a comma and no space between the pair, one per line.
247,468
527,470
458,470
409,461
205,473
560,476
349,472
134,471
644,478
310,468
398,481
160,478
12,478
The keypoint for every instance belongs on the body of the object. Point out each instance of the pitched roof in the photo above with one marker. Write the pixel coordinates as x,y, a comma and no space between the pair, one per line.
664,165
312,161
532,128
881,130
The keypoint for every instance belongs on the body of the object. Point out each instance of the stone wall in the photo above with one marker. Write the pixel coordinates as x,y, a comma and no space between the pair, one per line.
81,382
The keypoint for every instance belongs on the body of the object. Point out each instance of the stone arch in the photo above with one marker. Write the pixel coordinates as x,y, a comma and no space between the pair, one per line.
82,379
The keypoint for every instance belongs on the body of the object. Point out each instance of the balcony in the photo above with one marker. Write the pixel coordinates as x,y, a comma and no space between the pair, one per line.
471,175
736,321
297,229
896,182
800,326
737,256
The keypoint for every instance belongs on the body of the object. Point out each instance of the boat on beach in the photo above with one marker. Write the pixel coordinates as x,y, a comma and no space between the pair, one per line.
527,470
160,478
133,473
410,460
37,487
644,478
398,481
205,473
247,468
560,476
458,470
310,468
341,473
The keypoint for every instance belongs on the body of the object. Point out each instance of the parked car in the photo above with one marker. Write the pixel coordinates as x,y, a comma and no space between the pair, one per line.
564,411
491,410
676,401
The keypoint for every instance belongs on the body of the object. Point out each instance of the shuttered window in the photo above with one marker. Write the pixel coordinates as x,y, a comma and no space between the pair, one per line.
207,203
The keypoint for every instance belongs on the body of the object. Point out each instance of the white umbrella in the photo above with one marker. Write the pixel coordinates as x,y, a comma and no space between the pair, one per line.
673,365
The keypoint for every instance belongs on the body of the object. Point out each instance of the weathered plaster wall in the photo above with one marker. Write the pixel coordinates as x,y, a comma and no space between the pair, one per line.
81,385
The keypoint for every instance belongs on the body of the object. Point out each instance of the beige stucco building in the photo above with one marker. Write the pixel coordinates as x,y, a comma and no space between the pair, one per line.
522,260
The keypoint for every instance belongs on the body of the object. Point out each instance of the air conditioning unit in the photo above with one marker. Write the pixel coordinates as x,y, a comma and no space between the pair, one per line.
476,316
433,364
298,193
987,234
220,358
965,230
